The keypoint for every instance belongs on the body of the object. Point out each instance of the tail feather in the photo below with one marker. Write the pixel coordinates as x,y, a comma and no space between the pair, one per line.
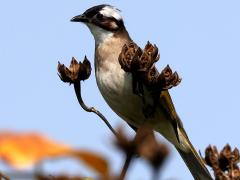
195,164
191,158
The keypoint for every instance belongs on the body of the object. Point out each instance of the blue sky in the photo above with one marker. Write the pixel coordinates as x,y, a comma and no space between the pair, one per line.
199,39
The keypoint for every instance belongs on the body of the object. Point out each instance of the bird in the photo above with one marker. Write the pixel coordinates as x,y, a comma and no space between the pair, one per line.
106,24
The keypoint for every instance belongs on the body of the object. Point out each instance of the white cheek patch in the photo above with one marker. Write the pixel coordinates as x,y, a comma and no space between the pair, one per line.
109,11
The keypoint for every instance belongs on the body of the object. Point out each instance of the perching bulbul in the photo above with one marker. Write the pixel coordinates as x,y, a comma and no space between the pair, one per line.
106,25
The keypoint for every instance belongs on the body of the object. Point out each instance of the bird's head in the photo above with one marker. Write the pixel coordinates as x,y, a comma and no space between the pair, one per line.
102,20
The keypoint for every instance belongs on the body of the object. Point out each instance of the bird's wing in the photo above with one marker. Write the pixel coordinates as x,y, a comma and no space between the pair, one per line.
133,127
190,157
166,102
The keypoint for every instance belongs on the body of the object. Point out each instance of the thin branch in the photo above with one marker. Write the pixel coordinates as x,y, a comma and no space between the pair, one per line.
77,88
125,166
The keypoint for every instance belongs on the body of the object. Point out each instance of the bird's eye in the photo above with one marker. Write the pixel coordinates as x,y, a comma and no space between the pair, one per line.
99,16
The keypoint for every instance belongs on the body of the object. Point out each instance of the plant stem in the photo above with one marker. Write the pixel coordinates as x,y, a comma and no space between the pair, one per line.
125,167
77,88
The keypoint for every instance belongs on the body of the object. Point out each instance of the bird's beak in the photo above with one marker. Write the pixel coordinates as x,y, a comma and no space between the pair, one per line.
80,18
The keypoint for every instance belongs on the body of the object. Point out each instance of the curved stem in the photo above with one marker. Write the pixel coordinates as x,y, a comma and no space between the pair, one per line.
77,88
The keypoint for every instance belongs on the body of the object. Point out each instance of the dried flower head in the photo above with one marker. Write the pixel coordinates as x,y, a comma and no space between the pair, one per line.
151,150
168,78
141,64
127,145
225,163
77,71
149,57
145,145
129,56
132,58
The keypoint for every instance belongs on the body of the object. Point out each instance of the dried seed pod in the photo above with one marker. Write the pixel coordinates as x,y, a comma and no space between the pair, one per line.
224,164
141,64
153,50
150,149
77,71
149,57
236,156
85,69
211,156
129,56
225,157
169,78
127,145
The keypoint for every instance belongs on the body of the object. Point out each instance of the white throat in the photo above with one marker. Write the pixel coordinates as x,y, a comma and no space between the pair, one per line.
100,35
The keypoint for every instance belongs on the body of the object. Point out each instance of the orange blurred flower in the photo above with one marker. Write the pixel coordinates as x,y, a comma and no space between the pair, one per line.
21,150
26,149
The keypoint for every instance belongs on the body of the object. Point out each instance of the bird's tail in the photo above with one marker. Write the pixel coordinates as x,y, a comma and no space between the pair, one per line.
194,163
